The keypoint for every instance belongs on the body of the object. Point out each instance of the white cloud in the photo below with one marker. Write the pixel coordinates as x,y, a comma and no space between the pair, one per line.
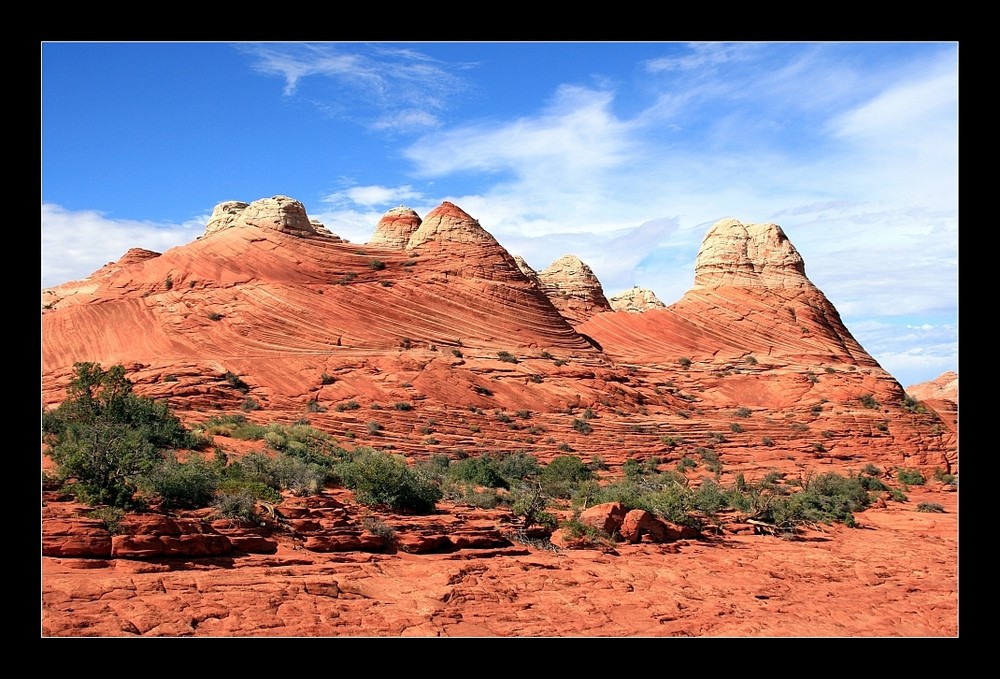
370,196
75,244
398,87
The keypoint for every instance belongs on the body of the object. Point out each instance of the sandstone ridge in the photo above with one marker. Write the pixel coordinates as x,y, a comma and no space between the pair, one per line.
433,342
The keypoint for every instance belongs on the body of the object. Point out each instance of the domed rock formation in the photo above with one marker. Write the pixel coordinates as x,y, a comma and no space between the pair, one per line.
636,300
752,255
573,289
448,223
395,227
278,213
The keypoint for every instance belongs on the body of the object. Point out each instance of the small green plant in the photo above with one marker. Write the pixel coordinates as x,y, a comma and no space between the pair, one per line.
457,353
385,284
327,379
743,411
111,517
932,507
313,406
582,426
402,405
559,362
377,526
405,343
912,405
868,401
235,382
215,316
507,357
684,362
249,404
170,378
545,354
767,441
168,283
483,391
750,360
686,463
942,477
374,428
376,264
346,405
882,426
536,379
564,447
719,437
735,428
910,477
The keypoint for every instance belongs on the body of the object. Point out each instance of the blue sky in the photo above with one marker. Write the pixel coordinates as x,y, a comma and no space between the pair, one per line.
622,153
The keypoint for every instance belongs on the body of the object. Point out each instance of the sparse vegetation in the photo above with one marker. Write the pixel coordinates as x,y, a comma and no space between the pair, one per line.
507,357
932,507
684,362
376,264
868,401
743,411
910,477
215,316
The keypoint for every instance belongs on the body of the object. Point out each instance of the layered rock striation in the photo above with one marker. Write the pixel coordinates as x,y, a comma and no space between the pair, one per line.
574,289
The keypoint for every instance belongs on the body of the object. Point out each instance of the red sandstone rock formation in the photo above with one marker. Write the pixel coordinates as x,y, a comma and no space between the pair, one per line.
573,289
269,298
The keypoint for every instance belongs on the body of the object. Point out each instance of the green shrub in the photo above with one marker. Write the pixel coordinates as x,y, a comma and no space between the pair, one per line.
767,441
735,428
347,405
686,463
327,379
868,401
684,362
559,476
215,316
185,485
582,426
529,501
480,471
402,405
111,517
374,428
942,477
743,411
105,437
376,264
378,478
910,477
932,507
168,283
457,353
507,357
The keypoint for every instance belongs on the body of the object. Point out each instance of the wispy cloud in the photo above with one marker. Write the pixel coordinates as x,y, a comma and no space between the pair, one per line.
403,89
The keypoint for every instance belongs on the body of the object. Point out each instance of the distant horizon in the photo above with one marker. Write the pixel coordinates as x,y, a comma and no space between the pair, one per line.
623,154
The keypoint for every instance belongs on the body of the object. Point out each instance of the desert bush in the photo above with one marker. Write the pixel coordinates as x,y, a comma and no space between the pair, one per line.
582,426
942,477
186,485
932,507
105,437
910,477
507,357
684,362
374,428
559,476
528,500
743,411
686,463
111,517
480,471
378,478
735,428
376,264
868,401
402,405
